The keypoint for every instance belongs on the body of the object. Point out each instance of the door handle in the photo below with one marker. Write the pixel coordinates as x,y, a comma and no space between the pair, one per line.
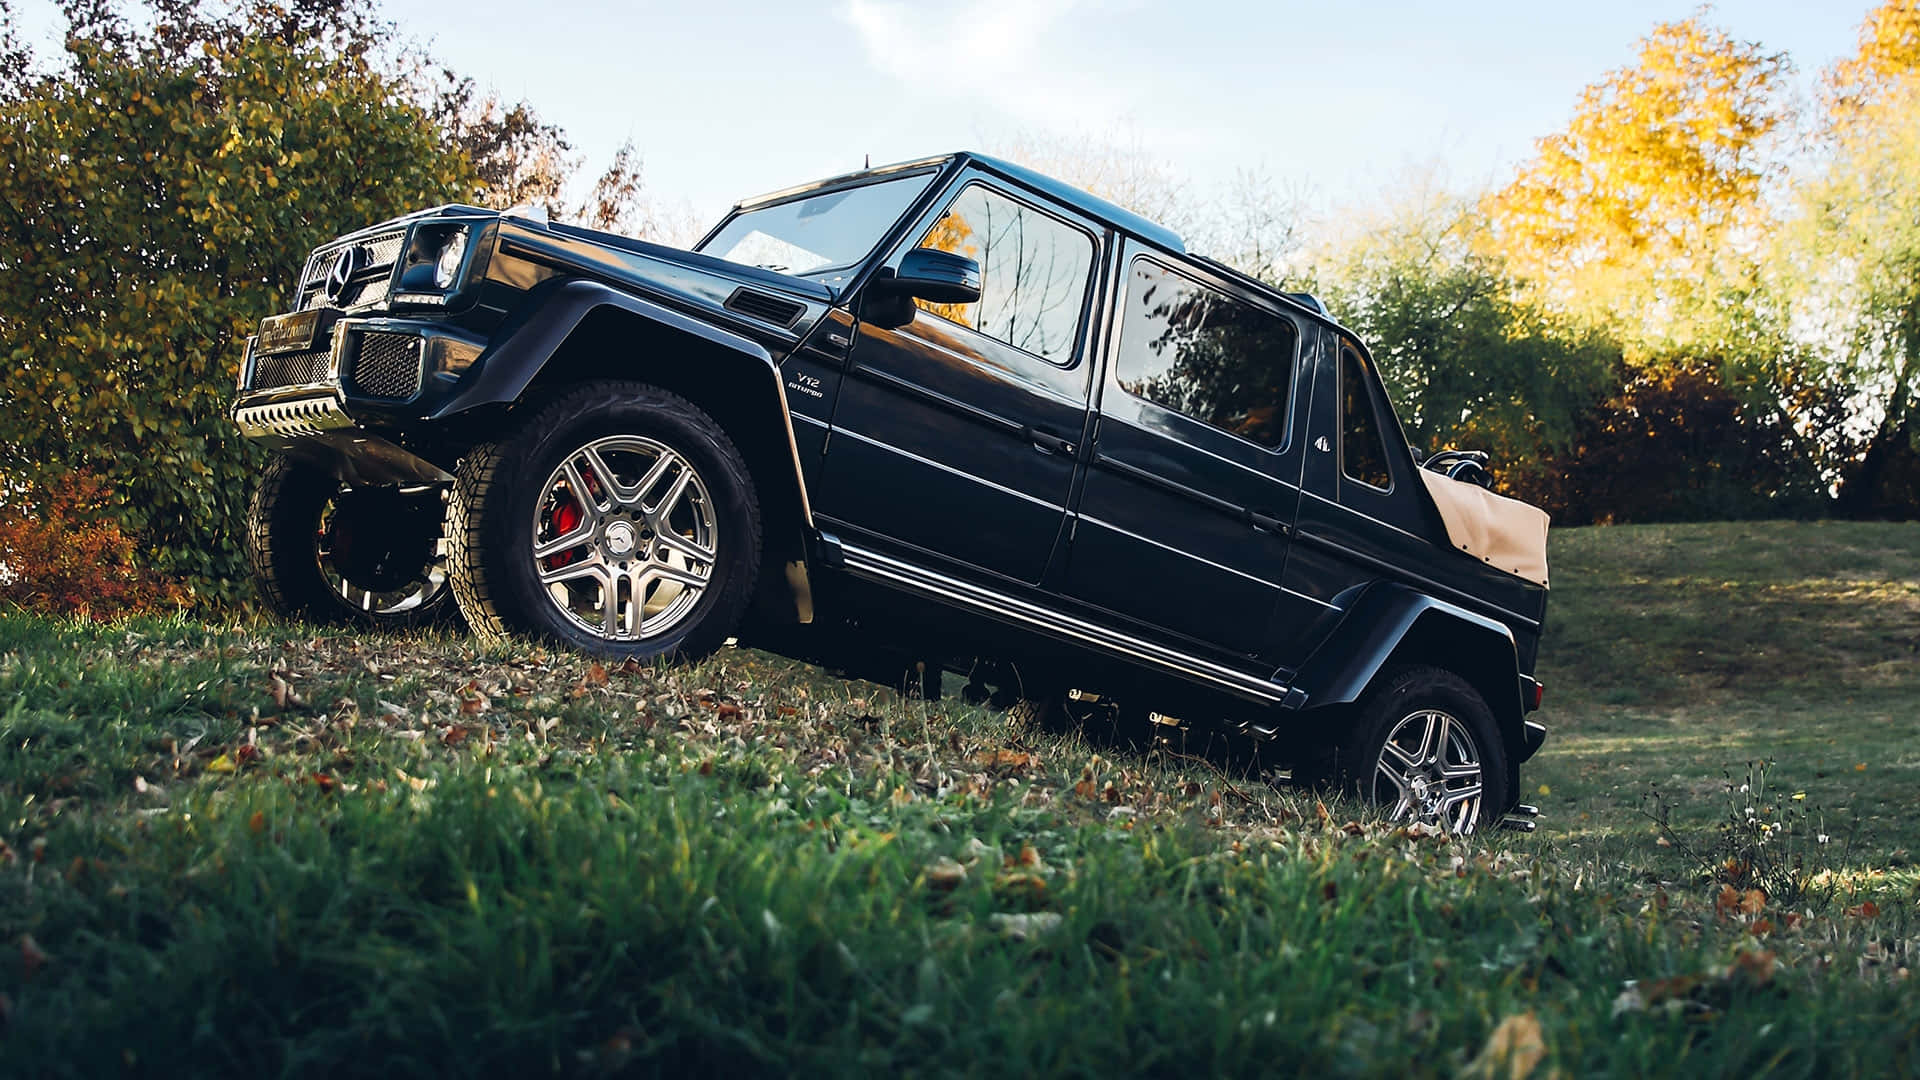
1046,442
1267,523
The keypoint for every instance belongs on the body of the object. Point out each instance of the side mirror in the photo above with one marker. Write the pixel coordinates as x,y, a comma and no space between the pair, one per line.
938,277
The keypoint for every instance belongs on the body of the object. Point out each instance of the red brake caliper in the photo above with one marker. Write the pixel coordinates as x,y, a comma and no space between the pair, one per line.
566,518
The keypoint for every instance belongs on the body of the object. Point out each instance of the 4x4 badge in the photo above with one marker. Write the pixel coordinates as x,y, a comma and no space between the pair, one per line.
1321,444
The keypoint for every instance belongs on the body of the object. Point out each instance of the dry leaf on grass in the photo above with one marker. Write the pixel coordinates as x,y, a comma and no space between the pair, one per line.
1513,1051
1002,759
1026,925
32,958
945,875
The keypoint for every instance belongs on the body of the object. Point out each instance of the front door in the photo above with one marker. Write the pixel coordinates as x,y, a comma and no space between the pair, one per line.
1195,474
955,435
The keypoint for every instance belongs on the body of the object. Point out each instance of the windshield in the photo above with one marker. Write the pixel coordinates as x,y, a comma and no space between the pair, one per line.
830,231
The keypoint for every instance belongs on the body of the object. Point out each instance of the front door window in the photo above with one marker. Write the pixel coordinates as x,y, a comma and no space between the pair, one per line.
1033,272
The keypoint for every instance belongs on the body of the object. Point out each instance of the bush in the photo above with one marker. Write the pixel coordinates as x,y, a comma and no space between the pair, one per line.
1675,444
164,188
63,553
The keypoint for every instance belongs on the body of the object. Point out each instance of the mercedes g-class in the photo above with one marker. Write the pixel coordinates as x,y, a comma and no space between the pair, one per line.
946,408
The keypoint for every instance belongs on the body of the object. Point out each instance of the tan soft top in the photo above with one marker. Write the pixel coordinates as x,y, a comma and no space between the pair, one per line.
1501,532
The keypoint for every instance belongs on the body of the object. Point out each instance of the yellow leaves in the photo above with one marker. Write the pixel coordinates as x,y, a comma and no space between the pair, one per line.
1513,1051
1662,161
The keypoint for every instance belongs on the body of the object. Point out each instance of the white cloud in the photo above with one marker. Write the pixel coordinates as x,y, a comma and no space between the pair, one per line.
1001,53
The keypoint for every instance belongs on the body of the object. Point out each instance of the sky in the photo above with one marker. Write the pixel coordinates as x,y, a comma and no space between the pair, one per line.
729,98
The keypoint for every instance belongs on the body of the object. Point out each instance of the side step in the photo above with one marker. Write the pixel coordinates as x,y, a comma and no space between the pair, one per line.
1523,818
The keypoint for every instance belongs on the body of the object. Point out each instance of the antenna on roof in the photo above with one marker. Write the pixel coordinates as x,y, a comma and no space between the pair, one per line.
866,162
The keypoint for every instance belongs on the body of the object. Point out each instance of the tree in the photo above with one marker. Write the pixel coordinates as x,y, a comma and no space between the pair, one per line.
1889,52
1850,269
1637,214
1469,360
159,191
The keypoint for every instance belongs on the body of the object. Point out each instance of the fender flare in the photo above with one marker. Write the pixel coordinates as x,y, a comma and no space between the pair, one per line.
1390,623
523,345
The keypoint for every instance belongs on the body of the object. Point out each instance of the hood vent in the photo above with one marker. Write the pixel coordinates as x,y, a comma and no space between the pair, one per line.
771,309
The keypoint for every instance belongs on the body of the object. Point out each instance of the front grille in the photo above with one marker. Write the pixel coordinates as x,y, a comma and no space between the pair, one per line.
289,369
386,365
368,286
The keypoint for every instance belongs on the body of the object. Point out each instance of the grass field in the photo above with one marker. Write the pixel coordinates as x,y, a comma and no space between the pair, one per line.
271,850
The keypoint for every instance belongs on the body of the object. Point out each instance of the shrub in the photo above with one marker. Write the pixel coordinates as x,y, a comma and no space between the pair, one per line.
62,552
165,185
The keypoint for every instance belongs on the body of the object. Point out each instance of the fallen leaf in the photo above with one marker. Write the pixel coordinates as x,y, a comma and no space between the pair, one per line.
325,783
1513,1051
1022,926
945,875
1864,911
727,710
32,958
258,822
222,764
1002,759
596,675
1755,967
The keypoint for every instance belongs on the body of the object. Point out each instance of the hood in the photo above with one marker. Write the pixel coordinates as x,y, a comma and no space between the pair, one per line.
773,304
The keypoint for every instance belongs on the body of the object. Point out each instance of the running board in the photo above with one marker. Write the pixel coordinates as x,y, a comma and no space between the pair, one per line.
889,571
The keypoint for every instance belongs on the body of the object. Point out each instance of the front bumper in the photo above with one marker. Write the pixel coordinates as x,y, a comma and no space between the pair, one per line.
347,401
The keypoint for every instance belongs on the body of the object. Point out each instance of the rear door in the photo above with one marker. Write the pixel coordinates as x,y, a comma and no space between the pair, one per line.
955,434
1194,477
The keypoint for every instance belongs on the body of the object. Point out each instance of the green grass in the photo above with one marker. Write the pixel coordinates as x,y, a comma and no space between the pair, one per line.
419,856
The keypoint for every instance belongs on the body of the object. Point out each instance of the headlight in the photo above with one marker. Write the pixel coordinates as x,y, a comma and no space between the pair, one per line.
446,270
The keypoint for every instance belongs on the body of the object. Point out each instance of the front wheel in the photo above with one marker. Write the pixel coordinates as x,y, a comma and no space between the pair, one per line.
618,519
331,553
1424,746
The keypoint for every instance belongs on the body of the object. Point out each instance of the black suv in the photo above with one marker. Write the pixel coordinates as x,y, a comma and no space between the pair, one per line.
948,408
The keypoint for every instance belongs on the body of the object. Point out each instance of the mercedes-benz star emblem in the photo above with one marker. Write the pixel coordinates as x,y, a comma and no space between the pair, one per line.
345,265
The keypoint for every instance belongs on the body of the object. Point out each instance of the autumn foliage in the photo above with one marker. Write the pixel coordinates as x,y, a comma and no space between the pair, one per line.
62,552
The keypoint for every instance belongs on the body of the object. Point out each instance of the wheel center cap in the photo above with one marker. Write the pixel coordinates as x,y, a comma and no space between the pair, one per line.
1421,793
620,538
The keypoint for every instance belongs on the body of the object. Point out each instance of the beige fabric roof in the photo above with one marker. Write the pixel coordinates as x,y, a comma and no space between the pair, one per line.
1501,532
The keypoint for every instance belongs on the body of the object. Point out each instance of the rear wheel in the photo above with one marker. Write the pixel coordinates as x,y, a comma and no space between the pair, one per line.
1425,747
618,519
327,552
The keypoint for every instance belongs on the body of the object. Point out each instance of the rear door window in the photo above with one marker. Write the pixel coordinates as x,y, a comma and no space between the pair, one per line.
1363,449
1193,349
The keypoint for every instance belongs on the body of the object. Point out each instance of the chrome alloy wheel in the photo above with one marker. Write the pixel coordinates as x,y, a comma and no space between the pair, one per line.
624,538
1430,771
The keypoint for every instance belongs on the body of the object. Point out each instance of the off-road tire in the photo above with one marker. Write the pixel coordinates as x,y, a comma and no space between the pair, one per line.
283,517
497,485
1349,765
